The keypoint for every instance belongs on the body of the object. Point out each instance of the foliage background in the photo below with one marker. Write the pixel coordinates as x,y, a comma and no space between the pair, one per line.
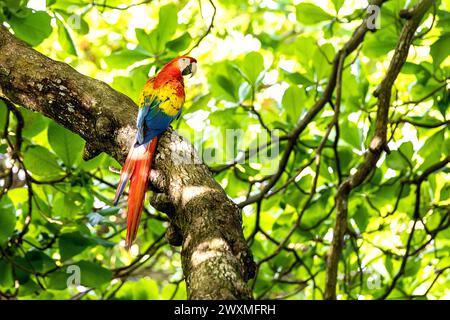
262,64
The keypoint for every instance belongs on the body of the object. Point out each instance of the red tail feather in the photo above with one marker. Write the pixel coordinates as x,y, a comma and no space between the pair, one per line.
137,168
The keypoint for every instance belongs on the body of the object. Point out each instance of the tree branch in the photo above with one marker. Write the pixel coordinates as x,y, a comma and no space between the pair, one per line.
377,145
303,122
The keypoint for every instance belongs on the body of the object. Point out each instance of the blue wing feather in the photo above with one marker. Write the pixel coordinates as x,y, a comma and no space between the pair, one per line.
156,122
149,105
152,121
140,124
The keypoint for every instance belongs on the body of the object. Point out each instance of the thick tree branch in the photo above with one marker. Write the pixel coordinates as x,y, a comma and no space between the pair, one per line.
216,260
377,145
216,263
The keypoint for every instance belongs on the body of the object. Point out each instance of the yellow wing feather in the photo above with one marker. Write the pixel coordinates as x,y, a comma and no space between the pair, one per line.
171,102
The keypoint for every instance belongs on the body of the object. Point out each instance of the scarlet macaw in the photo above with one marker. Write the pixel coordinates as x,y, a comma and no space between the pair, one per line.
159,104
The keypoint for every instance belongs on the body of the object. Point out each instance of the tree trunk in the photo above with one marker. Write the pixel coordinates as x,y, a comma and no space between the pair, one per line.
217,262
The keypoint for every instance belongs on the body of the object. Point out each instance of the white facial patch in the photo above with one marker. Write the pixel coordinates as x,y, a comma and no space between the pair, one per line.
183,63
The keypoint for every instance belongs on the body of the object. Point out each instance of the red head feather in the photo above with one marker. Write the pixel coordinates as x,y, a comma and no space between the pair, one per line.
172,66
171,71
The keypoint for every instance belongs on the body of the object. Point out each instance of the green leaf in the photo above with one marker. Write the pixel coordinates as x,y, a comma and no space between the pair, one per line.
58,280
92,274
444,19
74,21
79,25
155,42
50,2
73,243
445,192
381,42
67,145
228,87
168,22
155,45
297,78
21,275
407,149
109,211
389,265
338,4
21,12
143,39
41,162
416,69
29,287
94,163
444,104
144,289
147,290
347,157
7,219
124,85
361,217
6,274
68,204
224,118
413,266
321,61
432,148
70,6
309,14
181,43
252,67
39,261
33,29
245,91
292,101
396,161
103,242
440,50
351,134
125,58
34,123
65,39
17,8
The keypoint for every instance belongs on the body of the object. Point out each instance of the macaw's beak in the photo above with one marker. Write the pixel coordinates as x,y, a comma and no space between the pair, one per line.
191,69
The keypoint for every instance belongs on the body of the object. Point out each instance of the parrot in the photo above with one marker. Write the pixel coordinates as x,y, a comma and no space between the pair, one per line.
160,103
